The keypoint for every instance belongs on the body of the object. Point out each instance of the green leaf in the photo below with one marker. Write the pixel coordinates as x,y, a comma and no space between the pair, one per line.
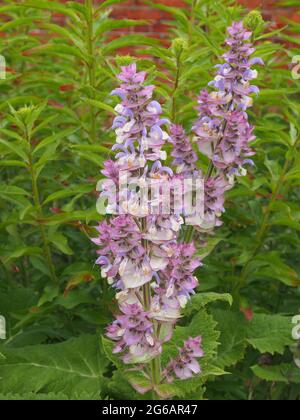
82,215
233,327
65,33
16,300
30,396
60,242
117,387
49,294
78,189
108,346
202,324
176,11
100,105
92,148
270,333
71,368
126,41
13,163
15,195
108,3
20,252
293,134
284,221
16,23
270,265
54,49
111,24
15,148
20,100
51,6
7,190
10,133
285,373
138,381
75,298
54,138
167,391
210,245
97,160
202,299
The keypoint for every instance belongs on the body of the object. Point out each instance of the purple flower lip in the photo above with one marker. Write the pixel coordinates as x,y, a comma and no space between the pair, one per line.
133,332
186,365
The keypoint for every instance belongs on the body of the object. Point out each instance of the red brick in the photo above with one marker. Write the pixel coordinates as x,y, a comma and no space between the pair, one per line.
139,12
174,3
143,29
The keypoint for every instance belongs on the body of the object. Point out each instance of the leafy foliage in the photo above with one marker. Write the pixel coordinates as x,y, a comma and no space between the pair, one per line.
54,136
72,368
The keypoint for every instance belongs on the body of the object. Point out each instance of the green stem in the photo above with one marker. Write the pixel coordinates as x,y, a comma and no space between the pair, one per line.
155,364
192,21
156,370
176,85
147,296
91,67
188,234
39,212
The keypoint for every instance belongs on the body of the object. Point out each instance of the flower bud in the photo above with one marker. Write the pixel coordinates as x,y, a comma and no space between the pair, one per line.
178,46
254,21
124,60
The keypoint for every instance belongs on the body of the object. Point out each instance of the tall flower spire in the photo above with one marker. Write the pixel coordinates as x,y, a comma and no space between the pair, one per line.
222,130
140,248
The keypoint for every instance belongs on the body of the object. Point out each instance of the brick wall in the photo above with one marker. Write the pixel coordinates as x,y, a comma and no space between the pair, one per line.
137,9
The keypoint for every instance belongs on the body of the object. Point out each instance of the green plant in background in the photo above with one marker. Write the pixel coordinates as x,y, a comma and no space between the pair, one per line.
55,110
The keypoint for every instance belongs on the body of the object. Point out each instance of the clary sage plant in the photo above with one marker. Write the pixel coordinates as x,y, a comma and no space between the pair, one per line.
146,252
